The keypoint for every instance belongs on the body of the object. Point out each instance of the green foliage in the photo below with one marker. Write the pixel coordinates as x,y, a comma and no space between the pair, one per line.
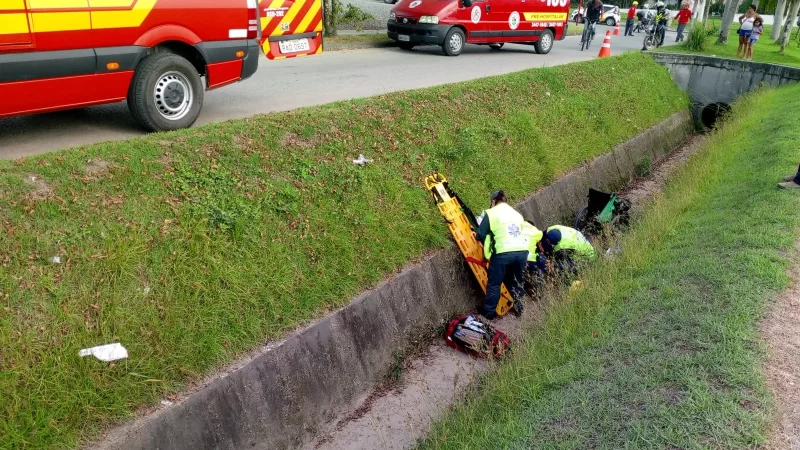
211,194
353,14
643,167
712,30
696,40
338,14
660,348
765,50
241,231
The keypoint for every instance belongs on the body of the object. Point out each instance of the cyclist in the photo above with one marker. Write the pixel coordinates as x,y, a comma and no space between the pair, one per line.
593,12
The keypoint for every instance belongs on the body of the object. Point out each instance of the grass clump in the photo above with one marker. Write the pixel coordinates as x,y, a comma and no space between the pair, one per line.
643,167
660,350
697,39
192,247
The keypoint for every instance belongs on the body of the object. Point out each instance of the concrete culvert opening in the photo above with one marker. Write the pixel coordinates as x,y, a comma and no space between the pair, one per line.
713,112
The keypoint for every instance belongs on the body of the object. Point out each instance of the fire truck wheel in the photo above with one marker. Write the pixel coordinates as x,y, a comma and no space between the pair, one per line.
453,42
166,93
545,43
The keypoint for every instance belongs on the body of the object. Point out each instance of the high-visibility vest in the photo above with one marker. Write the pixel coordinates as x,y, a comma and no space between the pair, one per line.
572,239
534,236
506,234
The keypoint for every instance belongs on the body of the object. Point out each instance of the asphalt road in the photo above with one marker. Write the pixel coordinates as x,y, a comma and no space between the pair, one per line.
298,82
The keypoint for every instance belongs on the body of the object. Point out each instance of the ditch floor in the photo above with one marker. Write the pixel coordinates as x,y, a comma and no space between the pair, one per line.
780,331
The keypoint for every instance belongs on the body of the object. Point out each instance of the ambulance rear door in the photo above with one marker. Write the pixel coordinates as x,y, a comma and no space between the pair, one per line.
15,27
291,28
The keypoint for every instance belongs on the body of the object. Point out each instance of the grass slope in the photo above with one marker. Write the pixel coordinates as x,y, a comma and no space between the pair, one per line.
661,348
765,50
192,247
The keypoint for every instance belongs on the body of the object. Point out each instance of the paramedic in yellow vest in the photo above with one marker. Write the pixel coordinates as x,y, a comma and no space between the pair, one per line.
536,260
566,247
506,247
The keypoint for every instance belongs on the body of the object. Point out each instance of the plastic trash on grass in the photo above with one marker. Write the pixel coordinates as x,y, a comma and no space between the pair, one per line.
361,161
106,353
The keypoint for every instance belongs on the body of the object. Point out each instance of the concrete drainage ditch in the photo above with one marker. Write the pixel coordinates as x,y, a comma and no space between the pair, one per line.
395,416
292,392
713,84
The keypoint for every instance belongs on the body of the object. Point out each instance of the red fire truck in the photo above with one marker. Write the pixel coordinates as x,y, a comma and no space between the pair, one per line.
159,55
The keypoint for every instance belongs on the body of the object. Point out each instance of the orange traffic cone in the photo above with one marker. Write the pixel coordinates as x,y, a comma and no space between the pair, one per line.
616,30
605,49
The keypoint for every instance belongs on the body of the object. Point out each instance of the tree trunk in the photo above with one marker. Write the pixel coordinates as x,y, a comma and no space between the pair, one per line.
700,6
731,11
786,30
329,14
777,23
707,11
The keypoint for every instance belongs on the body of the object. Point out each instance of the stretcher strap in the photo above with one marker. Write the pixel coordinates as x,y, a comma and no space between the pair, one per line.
472,260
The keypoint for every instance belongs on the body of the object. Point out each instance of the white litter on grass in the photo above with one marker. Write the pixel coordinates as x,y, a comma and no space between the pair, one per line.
55,260
166,403
361,161
106,353
146,290
547,94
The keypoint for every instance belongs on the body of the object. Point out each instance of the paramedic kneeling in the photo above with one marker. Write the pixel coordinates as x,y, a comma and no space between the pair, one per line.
567,247
506,246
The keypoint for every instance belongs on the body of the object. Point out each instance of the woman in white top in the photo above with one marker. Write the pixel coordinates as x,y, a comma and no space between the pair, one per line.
745,29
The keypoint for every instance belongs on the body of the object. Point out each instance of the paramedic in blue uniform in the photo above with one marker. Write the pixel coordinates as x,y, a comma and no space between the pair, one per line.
505,245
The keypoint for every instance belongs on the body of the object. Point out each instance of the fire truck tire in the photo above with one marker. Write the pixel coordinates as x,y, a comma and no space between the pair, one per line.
545,43
453,42
166,93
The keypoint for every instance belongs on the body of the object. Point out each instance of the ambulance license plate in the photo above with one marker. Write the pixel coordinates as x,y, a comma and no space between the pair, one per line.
294,45
403,37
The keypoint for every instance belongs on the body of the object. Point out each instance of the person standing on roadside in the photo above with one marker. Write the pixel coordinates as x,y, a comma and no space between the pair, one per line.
683,16
758,28
505,244
746,22
629,22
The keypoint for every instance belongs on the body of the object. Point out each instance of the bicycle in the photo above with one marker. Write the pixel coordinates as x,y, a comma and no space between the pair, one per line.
588,34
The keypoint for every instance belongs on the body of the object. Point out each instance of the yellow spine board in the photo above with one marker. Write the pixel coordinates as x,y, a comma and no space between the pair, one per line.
462,233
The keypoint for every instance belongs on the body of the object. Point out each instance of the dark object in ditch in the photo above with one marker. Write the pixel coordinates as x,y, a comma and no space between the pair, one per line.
476,337
603,209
